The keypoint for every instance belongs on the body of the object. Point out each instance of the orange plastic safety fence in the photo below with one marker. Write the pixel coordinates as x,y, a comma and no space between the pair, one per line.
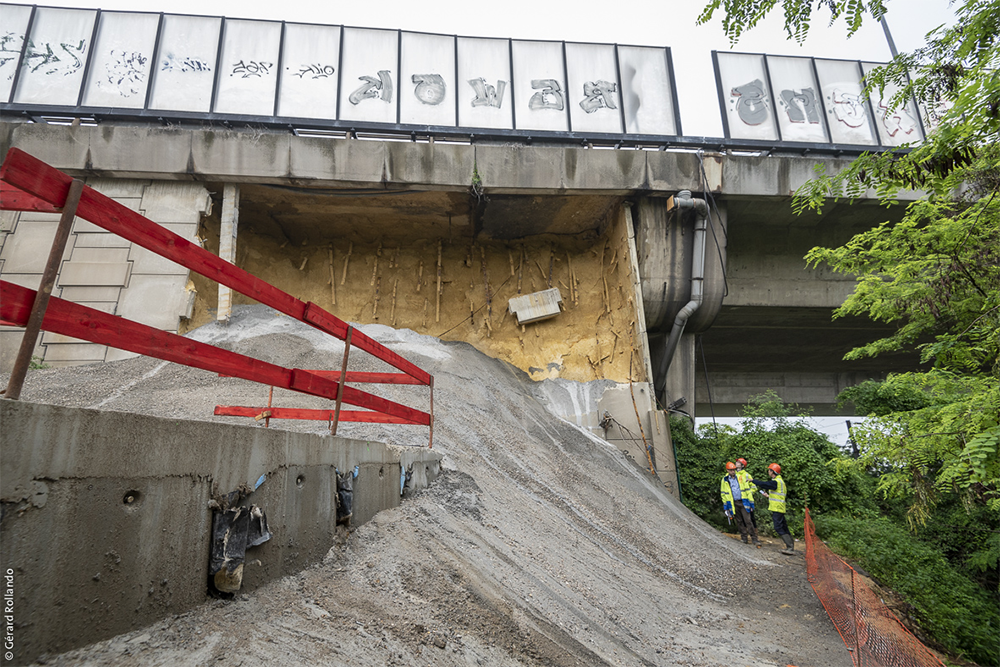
872,633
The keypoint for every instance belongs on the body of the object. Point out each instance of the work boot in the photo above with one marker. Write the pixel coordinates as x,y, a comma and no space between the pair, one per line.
745,541
789,549
756,542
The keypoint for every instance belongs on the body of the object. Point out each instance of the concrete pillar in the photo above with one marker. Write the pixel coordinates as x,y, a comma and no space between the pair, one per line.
227,244
681,376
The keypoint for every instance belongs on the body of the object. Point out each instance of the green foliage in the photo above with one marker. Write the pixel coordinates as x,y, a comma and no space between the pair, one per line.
742,15
814,469
698,463
930,434
37,363
959,615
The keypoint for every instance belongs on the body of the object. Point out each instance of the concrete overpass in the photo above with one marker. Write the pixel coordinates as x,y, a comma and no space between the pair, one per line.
765,322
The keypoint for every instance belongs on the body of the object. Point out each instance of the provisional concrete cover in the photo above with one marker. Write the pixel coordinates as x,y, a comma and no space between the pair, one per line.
540,544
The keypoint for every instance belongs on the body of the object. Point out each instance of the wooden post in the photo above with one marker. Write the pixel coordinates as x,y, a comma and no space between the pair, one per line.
340,385
34,324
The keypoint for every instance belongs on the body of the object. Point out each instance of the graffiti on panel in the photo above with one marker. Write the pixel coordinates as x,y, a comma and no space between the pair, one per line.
549,95
848,109
801,105
487,95
10,49
65,59
430,88
751,102
313,71
373,89
898,121
124,73
251,69
598,95
174,63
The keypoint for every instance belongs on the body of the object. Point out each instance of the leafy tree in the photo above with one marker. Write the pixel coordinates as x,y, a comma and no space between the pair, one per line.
936,273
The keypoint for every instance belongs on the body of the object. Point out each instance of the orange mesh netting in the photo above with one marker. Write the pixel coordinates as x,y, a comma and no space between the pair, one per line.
872,633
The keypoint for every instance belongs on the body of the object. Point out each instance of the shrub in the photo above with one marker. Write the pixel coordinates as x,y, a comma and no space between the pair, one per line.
959,615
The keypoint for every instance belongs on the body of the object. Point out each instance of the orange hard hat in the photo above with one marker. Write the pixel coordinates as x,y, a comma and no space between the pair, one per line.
775,468
730,466
742,462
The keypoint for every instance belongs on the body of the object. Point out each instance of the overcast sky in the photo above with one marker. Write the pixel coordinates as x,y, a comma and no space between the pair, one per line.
641,22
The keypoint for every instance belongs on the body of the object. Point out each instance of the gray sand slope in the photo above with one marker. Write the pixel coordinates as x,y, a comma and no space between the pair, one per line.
539,545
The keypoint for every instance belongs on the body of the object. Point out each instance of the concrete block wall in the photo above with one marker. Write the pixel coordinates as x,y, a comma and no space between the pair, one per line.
106,522
101,270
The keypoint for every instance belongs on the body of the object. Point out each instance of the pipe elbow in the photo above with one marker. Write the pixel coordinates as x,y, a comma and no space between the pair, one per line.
685,202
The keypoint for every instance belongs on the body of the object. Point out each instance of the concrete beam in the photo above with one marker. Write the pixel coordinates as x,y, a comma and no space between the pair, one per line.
259,156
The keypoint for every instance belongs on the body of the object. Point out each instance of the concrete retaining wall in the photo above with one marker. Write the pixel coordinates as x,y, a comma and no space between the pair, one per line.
106,521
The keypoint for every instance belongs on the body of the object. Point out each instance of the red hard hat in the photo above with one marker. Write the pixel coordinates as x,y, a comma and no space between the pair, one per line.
730,466
775,467
742,462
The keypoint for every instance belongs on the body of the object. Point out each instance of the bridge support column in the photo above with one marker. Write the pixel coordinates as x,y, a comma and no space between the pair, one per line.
227,244
681,376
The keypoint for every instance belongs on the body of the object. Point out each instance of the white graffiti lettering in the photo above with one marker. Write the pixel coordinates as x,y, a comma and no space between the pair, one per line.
598,95
380,88
487,95
849,109
549,95
430,88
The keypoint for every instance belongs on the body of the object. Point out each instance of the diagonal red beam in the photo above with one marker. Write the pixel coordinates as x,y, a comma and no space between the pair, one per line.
304,413
35,177
70,319
15,199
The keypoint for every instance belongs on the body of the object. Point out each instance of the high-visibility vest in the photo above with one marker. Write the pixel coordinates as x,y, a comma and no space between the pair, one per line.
777,496
727,490
745,478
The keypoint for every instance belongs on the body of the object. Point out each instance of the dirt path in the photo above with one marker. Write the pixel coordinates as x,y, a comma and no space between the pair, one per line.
540,545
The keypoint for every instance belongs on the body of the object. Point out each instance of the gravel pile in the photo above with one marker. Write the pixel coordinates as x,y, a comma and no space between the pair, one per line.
539,545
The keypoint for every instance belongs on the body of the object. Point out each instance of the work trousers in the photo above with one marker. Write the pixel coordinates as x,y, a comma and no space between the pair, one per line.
780,525
743,520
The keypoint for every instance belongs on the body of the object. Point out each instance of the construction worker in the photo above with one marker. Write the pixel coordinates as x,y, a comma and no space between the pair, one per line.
776,505
748,503
734,490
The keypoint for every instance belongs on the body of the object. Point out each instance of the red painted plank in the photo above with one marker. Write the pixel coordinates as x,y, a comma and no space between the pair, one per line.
303,413
15,199
30,174
309,383
361,377
70,319
321,319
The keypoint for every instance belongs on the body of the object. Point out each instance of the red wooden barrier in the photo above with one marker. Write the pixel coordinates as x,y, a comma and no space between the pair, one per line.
30,184
303,413
70,319
47,183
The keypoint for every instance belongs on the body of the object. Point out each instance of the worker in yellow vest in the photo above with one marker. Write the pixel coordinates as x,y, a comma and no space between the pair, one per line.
775,491
749,504
734,490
